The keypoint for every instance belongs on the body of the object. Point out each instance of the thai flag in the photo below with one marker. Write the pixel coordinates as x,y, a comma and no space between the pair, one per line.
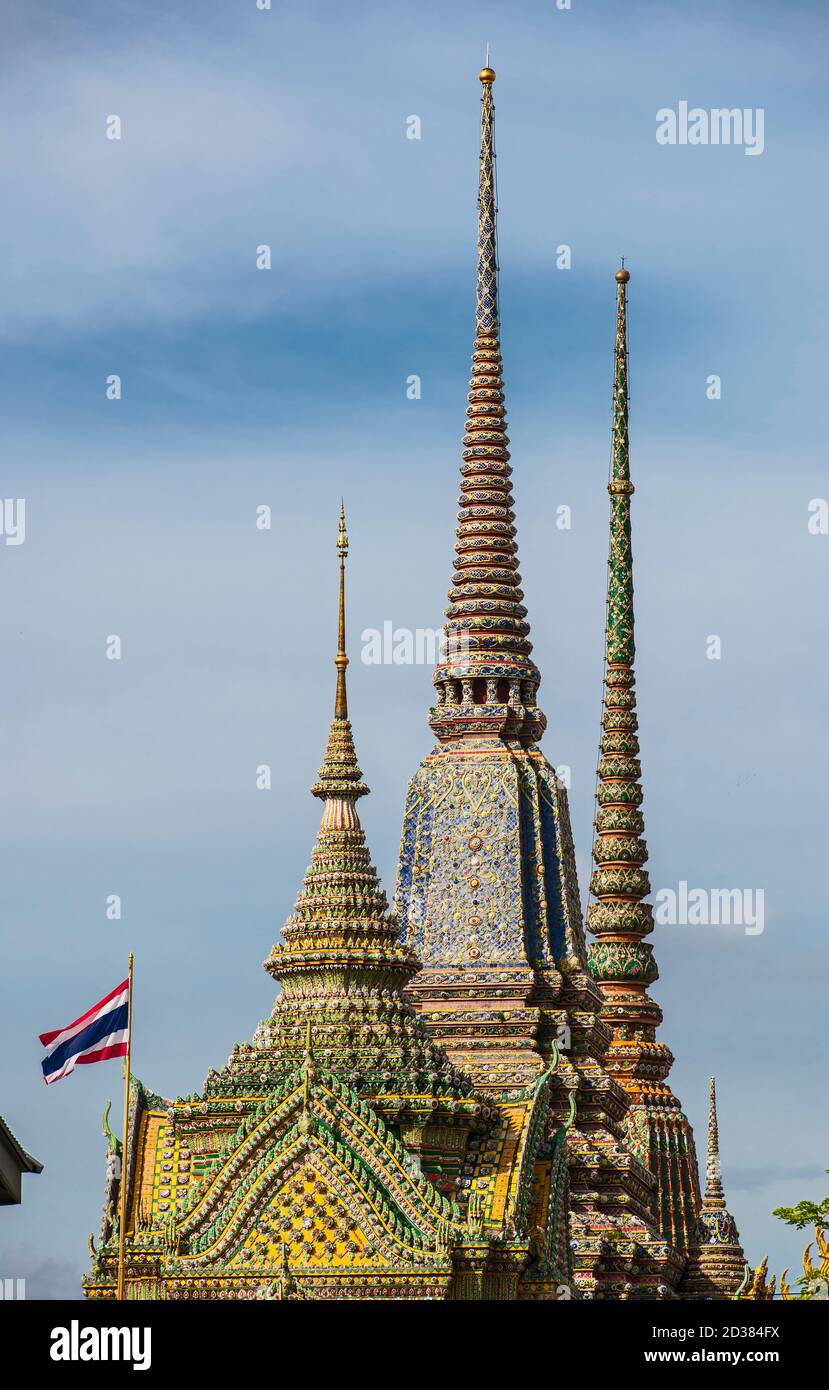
98,1034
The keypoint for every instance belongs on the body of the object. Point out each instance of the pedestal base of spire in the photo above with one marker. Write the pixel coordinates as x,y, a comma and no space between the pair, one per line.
713,1272
716,1262
488,1021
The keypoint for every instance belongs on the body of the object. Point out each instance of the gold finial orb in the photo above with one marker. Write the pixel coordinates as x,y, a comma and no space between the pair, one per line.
487,76
622,276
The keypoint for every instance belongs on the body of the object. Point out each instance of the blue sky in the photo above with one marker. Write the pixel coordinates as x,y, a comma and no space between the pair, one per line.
287,387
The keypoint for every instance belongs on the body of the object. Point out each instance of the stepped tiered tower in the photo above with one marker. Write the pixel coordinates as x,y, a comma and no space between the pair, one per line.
716,1265
451,1100
621,960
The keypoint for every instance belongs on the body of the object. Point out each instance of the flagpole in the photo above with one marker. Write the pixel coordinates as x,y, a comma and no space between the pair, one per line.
122,1231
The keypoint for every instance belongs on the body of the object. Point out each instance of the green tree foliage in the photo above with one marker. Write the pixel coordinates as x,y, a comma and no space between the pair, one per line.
806,1214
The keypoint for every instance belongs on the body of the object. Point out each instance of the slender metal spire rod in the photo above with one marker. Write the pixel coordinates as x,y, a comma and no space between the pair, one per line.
341,660
340,777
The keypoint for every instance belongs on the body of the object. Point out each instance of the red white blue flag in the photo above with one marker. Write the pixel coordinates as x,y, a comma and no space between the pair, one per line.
100,1033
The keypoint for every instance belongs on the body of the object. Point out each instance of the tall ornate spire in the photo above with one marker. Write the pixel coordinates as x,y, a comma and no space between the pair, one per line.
487,889
716,1263
621,960
341,923
486,682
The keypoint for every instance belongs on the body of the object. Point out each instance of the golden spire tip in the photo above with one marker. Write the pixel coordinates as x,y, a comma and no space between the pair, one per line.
486,75
622,274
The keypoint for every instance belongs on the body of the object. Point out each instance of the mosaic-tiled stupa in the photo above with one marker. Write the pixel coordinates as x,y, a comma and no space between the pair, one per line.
455,1099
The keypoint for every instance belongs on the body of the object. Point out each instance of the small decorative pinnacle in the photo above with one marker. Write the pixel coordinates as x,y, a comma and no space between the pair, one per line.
716,1265
713,1171
487,76
622,274
339,775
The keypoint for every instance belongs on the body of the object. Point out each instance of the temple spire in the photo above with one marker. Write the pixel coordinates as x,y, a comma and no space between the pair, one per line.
486,682
716,1262
487,885
621,960
339,776
341,964
341,912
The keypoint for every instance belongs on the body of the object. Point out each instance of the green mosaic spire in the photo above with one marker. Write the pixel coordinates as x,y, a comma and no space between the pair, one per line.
621,960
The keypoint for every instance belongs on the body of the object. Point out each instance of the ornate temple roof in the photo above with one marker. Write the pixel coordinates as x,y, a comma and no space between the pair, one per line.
328,1150
456,1128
